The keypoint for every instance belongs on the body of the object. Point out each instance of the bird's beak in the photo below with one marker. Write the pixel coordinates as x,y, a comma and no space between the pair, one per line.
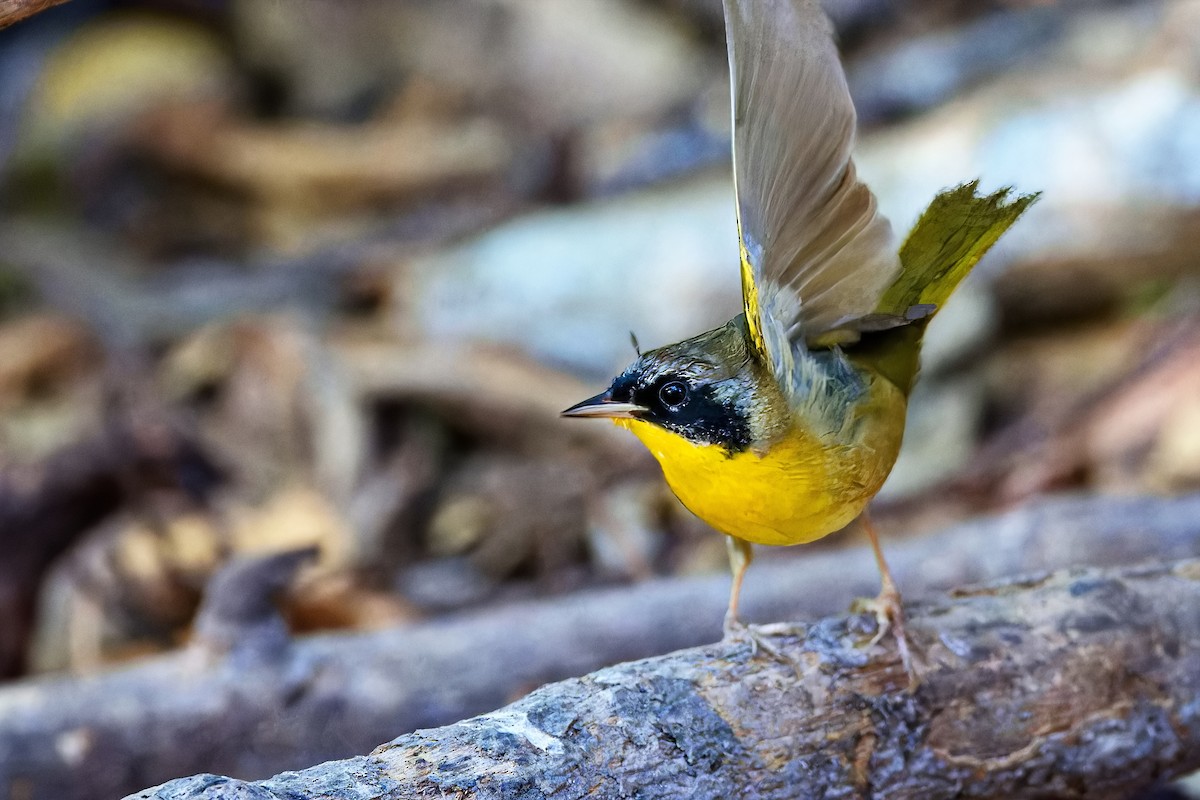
602,405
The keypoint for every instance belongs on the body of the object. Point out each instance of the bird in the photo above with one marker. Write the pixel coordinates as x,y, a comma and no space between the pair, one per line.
780,426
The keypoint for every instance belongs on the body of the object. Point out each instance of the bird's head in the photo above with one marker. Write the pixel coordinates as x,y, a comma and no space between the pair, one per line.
708,390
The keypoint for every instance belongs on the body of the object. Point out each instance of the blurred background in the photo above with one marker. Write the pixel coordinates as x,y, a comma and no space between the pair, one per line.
314,273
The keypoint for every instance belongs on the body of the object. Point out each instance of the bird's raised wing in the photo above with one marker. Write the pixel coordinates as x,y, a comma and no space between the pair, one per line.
816,252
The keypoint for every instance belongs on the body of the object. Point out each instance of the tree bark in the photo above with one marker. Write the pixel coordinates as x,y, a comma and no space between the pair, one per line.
1076,684
270,707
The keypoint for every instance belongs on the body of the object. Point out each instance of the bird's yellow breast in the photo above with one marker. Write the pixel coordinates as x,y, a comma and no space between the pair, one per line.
800,489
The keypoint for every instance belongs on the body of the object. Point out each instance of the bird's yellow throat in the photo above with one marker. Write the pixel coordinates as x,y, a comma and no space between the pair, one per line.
797,491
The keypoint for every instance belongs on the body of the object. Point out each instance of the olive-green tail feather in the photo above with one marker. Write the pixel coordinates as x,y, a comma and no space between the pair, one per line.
946,243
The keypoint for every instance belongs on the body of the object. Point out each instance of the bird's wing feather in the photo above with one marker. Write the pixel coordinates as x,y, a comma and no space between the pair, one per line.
816,252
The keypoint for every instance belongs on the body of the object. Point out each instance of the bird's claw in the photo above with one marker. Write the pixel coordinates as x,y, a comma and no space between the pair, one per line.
756,635
889,617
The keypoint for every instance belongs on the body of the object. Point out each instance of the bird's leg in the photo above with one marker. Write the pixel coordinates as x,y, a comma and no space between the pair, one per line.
740,556
887,606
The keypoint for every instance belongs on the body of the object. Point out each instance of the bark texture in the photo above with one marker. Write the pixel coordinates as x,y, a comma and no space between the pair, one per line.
1076,684
270,706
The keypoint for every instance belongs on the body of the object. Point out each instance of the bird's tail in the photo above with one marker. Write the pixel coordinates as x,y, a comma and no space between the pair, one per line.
948,240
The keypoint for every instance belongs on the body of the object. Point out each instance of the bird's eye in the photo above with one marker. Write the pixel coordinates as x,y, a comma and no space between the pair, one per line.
673,394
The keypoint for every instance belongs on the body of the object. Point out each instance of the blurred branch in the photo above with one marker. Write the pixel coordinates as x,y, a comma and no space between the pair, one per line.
87,276
330,696
1038,452
1076,684
12,11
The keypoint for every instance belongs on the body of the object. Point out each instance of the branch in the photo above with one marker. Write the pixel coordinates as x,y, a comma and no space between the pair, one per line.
329,697
1079,684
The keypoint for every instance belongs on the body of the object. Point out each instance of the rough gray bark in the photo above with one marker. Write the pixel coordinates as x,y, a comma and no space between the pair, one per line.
264,710
1076,684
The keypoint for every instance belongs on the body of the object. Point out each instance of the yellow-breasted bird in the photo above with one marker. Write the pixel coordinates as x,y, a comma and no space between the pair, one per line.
780,426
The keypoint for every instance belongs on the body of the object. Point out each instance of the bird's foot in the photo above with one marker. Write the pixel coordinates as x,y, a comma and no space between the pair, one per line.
756,636
889,617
